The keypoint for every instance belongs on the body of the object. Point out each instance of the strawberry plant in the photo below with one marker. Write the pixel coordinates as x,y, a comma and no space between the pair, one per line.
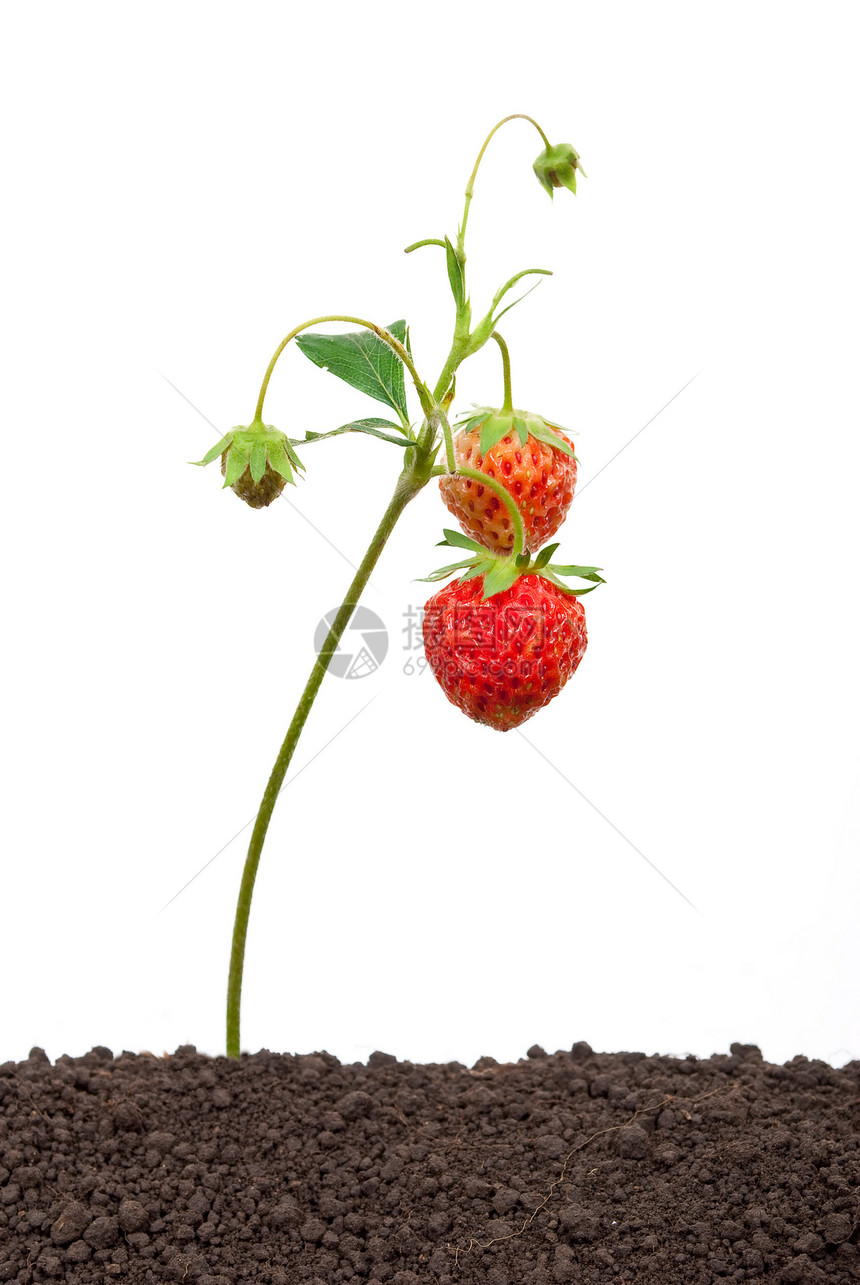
504,638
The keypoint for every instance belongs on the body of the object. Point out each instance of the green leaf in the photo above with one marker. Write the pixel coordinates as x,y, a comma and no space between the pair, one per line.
455,274
500,577
459,541
237,462
218,449
544,556
371,426
363,361
258,460
279,460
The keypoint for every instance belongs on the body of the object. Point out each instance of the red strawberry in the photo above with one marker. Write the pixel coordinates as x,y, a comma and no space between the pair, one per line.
503,658
532,459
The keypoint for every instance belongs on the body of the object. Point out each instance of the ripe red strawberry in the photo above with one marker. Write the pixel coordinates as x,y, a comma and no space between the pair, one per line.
533,460
503,658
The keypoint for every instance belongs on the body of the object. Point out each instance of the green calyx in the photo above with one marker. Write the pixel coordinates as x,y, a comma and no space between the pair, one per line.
496,424
500,571
254,448
557,166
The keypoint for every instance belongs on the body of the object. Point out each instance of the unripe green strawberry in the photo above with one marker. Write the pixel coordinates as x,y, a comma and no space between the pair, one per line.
258,494
255,462
532,459
557,166
503,658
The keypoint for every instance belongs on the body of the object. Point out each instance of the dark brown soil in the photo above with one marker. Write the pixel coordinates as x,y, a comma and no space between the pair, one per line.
576,1167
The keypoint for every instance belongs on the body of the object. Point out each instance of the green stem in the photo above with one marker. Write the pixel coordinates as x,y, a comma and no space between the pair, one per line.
408,485
430,240
459,352
394,344
507,404
490,482
470,186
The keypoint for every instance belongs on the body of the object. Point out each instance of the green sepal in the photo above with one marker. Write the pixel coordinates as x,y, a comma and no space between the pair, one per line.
496,424
500,571
279,460
544,556
521,428
574,593
500,576
553,571
291,455
457,540
446,571
218,449
258,460
584,573
238,459
544,433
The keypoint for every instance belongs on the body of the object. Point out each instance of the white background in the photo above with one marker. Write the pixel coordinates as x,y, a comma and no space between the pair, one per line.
185,183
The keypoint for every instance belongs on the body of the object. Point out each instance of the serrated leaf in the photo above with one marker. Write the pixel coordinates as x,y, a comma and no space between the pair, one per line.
258,460
363,361
371,426
500,577
237,462
544,556
218,449
460,541
279,460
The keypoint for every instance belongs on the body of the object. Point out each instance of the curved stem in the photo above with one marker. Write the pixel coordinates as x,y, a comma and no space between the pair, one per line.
507,405
430,240
483,480
461,236
408,485
394,344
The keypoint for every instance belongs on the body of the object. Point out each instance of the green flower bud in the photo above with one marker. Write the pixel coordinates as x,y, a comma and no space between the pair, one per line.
256,461
557,166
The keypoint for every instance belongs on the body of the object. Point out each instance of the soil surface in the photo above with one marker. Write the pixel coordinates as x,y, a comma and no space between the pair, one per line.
571,1167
